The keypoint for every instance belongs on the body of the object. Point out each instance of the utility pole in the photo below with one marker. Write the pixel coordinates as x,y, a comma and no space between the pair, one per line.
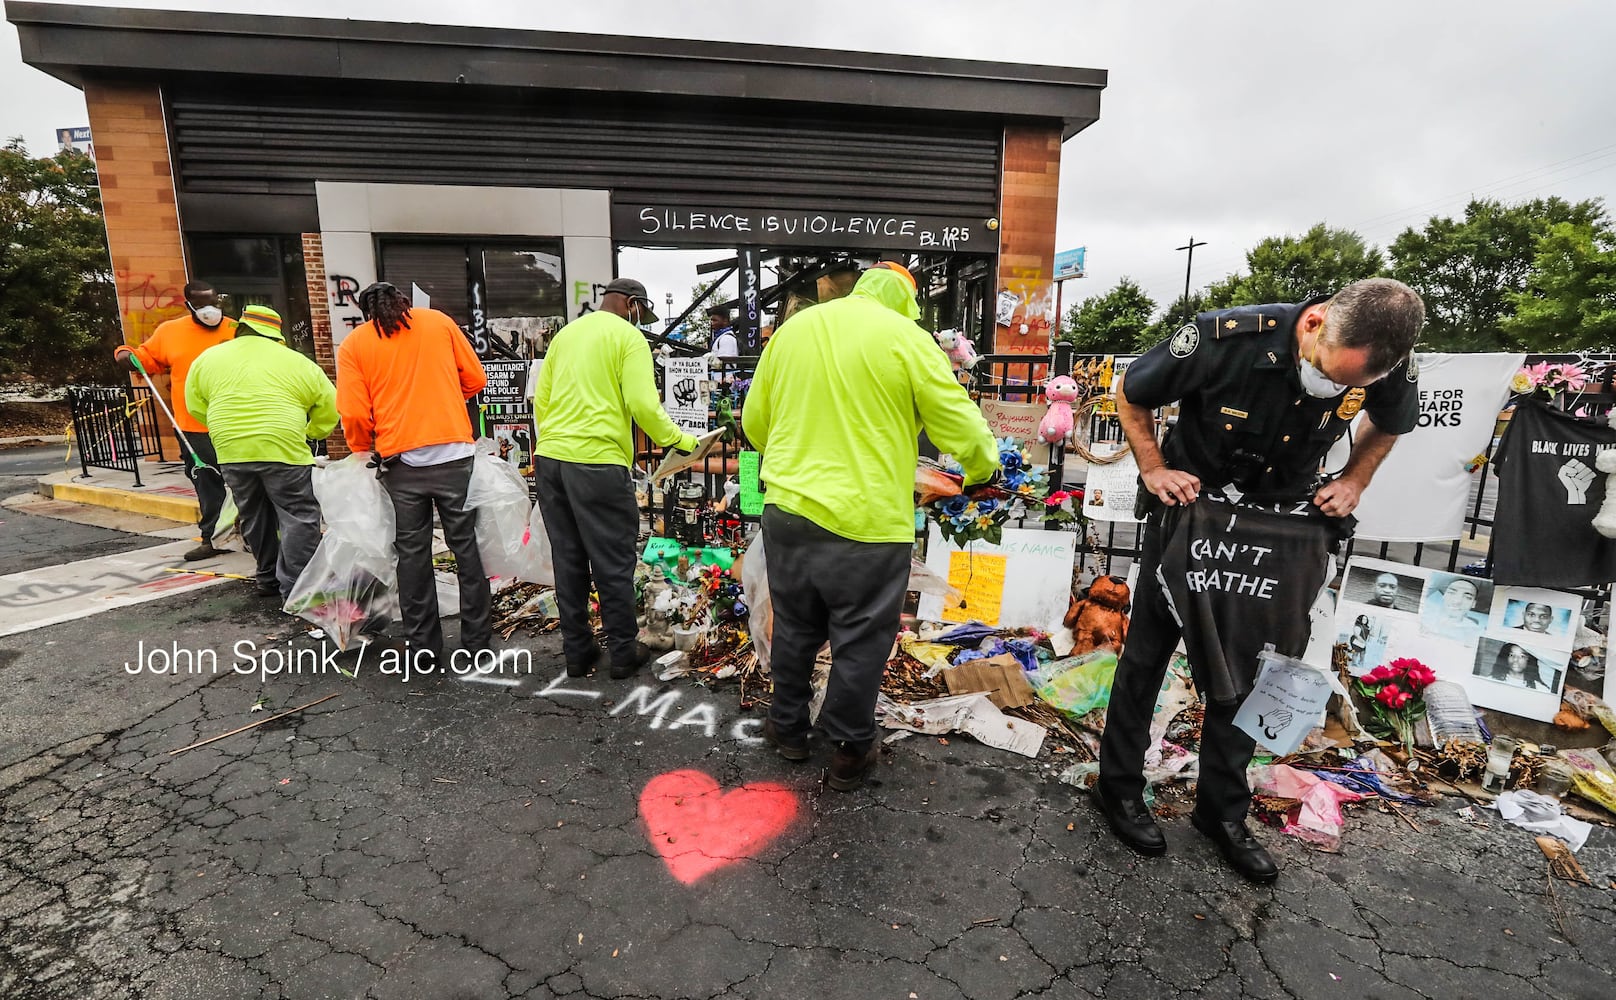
1188,262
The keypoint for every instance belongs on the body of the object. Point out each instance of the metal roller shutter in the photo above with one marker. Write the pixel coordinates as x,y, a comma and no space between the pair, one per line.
237,145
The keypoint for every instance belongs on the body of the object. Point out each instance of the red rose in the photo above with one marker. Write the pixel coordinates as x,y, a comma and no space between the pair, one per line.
1388,695
1379,675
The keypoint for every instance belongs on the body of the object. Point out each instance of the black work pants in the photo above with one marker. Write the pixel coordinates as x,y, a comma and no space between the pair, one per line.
594,529
826,587
208,482
416,492
280,519
1222,793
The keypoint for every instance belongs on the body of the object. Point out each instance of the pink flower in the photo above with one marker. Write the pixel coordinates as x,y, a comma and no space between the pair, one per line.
1571,376
1538,373
1057,498
1379,675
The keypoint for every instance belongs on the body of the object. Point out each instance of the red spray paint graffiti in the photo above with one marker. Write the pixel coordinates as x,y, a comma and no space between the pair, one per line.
698,828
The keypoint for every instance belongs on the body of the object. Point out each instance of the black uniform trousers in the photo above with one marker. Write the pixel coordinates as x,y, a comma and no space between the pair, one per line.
208,482
1222,793
416,492
280,518
594,529
826,587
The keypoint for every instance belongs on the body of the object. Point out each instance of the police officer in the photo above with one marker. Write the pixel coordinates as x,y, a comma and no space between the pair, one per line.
1263,393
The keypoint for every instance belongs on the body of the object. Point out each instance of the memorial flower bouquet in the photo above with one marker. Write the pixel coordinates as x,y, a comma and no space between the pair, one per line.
964,519
1395,693
1549,379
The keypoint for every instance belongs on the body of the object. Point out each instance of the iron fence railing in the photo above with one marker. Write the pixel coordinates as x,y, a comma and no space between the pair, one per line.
115,427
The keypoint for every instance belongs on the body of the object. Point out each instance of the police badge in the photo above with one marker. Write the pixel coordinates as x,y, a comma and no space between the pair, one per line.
1185,341
1351,404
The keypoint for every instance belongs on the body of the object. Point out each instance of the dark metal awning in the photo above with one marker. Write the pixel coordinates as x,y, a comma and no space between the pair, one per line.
80,43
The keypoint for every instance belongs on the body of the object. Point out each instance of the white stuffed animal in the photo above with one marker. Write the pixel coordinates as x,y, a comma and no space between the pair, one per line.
1605,520
957,346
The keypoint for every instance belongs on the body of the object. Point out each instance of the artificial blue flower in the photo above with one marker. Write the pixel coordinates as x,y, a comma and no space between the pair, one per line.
954,506
986,506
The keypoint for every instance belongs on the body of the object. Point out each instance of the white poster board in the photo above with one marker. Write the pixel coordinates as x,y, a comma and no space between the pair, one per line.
685,391
1109,491
1509,647
1024,582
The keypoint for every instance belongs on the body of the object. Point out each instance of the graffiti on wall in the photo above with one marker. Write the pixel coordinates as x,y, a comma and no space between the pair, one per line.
144,302
1026,313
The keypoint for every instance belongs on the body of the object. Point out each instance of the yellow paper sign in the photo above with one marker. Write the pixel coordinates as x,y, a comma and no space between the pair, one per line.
981,579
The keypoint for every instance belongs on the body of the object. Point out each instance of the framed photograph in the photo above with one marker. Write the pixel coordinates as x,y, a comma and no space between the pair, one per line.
1516,664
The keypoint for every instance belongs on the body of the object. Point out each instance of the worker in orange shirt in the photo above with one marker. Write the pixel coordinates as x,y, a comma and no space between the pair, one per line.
171,348
403,378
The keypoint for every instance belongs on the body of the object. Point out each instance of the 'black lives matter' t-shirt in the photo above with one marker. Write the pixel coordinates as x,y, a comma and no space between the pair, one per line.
1239,577
1549,491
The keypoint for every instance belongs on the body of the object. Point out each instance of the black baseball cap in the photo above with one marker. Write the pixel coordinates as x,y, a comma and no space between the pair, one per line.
635,291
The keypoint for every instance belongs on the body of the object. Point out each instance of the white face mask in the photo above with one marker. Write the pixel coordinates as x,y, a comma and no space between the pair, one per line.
1313,381
209,316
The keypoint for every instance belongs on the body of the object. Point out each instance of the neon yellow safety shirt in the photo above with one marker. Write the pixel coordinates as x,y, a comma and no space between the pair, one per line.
841,395
260,400
596,378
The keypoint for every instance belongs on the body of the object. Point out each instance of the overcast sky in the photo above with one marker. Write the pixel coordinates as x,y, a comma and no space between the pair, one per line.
1228,121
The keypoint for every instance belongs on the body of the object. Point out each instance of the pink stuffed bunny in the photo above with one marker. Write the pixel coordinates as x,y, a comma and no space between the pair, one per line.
1062,391
957,346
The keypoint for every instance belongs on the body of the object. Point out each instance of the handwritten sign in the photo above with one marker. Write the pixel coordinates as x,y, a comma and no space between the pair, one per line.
751,488
1287,701
1110,490
1035,584
981,579
729,226
1018,421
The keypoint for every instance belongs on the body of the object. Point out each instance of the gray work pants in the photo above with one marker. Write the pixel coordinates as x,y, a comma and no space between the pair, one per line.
594,530
826,587
416,492
280,519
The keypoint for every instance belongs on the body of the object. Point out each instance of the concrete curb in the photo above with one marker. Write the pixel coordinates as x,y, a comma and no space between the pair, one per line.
28,439
169,508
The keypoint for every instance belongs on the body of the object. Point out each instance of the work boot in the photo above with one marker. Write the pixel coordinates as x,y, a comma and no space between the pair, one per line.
642,656
203,551
268,589
1131,821
851,764
1244,854
791,746
590,662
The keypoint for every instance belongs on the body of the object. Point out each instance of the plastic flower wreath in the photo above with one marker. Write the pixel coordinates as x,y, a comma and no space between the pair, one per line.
964,519
1395,692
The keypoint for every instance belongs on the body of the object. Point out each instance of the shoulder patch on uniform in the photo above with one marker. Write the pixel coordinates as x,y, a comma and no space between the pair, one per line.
1236,322
1412,370
1185,341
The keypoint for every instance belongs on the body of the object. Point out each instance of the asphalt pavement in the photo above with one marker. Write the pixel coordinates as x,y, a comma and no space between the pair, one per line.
523,834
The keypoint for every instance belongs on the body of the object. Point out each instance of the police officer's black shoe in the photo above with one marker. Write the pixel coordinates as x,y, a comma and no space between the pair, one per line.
642,656
791,746
1244,854
583,668
1132,822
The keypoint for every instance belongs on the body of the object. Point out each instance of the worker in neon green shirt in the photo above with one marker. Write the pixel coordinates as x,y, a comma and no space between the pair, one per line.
596,383
837,406
262,402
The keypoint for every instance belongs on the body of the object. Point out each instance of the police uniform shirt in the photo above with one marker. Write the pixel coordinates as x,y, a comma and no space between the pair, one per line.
1549,491
1243,415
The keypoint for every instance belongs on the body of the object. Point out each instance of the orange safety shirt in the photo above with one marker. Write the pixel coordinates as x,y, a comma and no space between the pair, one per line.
171,348
407,391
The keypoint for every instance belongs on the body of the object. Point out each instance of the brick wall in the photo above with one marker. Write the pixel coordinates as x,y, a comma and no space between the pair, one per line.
142,219
1029,194
320,320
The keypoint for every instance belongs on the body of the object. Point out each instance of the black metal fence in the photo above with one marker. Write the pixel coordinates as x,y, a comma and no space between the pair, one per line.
115,427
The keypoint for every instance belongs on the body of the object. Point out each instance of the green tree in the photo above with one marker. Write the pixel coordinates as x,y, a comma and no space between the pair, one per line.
1295,268
1569,303
58,303
1112,323
1471,272
1173,317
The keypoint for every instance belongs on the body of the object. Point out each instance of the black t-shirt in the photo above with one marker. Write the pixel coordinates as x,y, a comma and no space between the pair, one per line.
1243,415
1239,577
1549,491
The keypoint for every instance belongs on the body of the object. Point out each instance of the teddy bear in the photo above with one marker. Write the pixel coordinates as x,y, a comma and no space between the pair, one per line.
1099,618
957,346
1605,520
1061,392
